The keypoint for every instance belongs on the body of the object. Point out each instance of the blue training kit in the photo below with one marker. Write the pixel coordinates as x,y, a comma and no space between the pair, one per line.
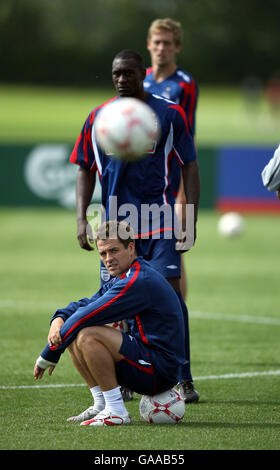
151,307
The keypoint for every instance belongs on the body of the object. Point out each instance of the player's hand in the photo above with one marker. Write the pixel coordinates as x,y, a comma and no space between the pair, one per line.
82,235
181,246
278,194
186,243
54,337
39,372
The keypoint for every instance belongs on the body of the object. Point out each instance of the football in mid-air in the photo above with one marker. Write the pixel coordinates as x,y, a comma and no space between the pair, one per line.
231,224
164,408
126,128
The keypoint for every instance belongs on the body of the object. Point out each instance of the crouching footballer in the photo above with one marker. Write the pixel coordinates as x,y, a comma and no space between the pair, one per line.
147,359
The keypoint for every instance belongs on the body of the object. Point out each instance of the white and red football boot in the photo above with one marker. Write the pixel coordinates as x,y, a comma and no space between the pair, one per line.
106,418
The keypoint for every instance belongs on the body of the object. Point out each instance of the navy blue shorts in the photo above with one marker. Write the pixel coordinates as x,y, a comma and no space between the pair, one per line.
136,371
161,254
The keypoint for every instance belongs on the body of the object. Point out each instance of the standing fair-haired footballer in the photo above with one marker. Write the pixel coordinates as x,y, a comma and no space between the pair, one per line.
165,78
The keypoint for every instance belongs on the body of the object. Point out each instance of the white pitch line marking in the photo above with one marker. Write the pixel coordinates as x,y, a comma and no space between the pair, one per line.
243,375
235,318
10,303
21,387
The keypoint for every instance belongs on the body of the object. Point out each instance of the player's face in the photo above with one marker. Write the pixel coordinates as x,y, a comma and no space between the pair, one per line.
128,77
116,257
162,48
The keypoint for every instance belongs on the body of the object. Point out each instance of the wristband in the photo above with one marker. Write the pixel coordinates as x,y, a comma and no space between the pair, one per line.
43,363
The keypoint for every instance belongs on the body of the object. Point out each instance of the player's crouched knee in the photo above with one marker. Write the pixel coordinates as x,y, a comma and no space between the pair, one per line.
87,336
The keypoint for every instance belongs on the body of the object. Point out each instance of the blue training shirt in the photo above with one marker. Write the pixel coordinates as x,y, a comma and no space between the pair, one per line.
149,304
181,88
145,181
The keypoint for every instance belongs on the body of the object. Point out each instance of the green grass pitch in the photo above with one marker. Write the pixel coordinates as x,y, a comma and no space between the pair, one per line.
233,299
235,326
42,114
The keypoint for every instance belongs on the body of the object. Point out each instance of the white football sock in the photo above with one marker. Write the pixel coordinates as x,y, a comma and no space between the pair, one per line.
114,402
99,401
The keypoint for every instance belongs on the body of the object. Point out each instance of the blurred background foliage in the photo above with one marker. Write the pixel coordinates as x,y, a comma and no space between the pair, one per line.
72,42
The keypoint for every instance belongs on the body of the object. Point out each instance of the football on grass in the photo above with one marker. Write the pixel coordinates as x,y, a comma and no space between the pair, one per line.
231,225
126,128
164,408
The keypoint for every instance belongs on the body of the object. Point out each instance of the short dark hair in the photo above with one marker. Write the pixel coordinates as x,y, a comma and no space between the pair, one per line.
130,54
114,229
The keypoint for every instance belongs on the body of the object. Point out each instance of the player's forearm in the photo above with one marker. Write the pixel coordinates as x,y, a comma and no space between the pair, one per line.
84,190
72,307
120,302
54,349
191,179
